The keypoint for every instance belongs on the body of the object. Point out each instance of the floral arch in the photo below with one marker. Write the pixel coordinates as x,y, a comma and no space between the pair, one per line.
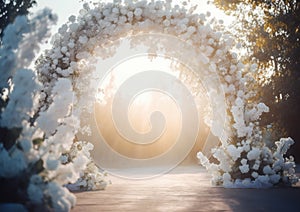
244,157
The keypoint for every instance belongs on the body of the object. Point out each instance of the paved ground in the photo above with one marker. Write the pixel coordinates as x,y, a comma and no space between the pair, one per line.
187,188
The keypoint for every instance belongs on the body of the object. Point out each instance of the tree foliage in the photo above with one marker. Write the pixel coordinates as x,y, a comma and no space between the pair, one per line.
270,32
10,9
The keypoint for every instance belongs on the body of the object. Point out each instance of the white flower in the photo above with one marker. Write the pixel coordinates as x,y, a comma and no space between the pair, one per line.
234,152
254,174
72,18
73,28
138,12
283,145
130,15
80,162
61,198
244,168
264,179
226,177
246,147
244,161
274,178
267,170
83,39
247,183
115,10
64,159
255,166
254,153
51,163
166,22
262,107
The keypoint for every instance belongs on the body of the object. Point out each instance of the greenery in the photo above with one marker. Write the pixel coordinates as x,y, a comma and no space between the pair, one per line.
269,30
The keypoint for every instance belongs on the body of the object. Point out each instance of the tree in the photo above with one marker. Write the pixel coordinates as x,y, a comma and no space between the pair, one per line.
270,32
10,9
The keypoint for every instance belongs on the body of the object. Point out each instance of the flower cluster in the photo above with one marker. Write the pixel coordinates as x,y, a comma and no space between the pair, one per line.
249,166
92,178
32,141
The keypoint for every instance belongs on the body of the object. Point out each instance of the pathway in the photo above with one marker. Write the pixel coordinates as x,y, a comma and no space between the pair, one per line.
186,188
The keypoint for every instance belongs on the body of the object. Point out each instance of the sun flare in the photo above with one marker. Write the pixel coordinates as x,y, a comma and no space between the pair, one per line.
145,108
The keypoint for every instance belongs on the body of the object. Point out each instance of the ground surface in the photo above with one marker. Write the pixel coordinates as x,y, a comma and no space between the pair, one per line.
186,188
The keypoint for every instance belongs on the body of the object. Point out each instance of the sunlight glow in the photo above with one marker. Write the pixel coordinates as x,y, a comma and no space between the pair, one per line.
142,108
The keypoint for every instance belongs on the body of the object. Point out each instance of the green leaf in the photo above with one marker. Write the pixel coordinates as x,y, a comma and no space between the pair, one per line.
38,167
38,141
